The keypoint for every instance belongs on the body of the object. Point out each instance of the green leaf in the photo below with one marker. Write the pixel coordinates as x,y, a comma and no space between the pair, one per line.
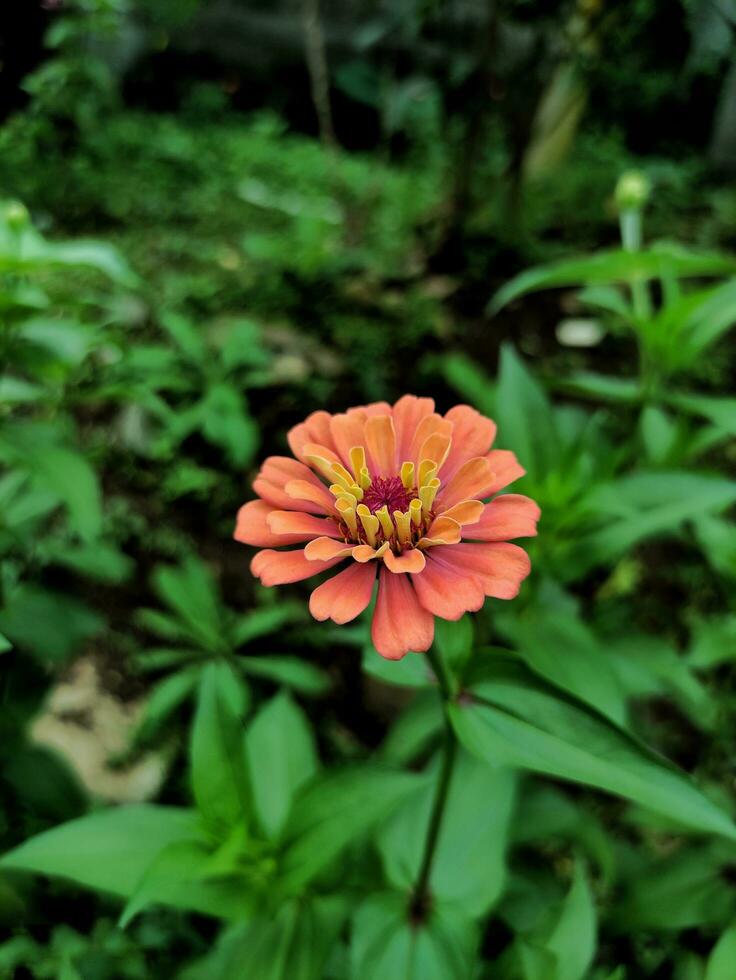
292,672
226,423
720,411
189,590
658,433
176,877
282,757
613,266
163,699
714,642
454,641
261,622
293,944
515,722
524,415
412,671
5,644
573,939
717,539
469,863
96,255
721,961
624,390
338,810
414,729
109,850
681,891
471,381
386,944
645,504
559,647
49,625
219,775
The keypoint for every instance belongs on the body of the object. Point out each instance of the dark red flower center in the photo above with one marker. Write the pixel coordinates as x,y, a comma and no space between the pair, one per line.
390,493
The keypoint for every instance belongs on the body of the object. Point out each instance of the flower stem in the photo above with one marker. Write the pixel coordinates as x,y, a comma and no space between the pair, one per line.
420,895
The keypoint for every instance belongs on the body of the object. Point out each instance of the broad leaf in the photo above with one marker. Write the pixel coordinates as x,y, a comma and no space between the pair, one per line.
387,944
515,722
219,776
109,850
469,863
282,757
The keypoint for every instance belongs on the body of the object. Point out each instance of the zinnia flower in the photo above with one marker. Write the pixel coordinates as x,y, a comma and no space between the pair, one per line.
399,491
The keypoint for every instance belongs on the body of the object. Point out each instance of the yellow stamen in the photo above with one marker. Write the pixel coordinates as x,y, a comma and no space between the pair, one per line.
386,522
365,478
337,489
357,461
343,475
415,509
427,469
356,491
370,524
403,526
427,494
407,475
348,515
322,465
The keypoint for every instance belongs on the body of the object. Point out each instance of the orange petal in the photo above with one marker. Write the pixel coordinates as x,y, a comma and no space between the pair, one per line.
430,425
380,441
443,531
507,517
410,561
293,522
472,435
304,491
505,467
273,476
408,412
466,512
445,590
315,428
376,408
400,623
435,448
364,552
324,549
282,567
344,596
470,481
348,430
500,566
252,527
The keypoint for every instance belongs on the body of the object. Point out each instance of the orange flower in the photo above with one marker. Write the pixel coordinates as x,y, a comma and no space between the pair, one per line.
399,491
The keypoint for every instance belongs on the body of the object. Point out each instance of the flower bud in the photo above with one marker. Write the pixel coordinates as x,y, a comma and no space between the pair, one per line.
632,191
16,215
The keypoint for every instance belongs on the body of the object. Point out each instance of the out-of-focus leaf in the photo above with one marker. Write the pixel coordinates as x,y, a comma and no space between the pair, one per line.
49,625
163,699
282,757
516,722
717,538
677,892
186,336
386,944
261,622
471,381
612,266
412,671
454,641
720,411
714,642
336,811
190,592
721,961
5,644
414,729
292,672
524,416
469,863
625,390
226,422
573,939
109,850
658,433
176,877
293,944
219,776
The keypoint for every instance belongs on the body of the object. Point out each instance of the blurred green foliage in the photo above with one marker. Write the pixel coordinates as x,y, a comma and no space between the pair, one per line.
176,291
